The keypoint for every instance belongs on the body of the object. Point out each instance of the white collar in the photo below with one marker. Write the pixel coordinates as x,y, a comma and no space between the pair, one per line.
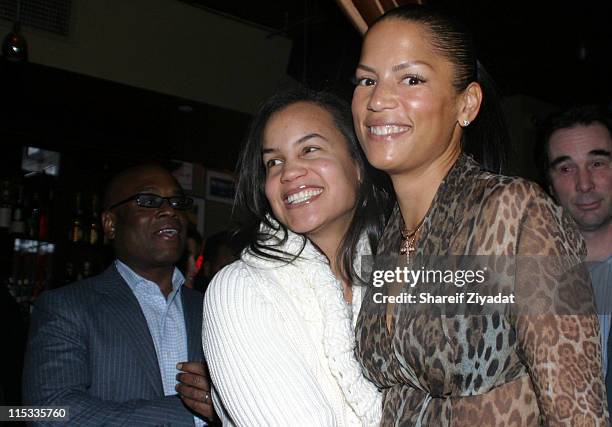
338,336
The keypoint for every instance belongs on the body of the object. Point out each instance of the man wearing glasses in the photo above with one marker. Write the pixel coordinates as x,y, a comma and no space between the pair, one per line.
116,348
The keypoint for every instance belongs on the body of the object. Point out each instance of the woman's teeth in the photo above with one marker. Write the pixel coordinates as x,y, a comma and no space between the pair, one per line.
387,130
303,196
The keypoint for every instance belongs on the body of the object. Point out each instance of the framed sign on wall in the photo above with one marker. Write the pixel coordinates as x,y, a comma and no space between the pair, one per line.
220,187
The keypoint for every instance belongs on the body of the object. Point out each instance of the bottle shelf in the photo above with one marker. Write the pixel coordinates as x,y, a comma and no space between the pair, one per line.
40,217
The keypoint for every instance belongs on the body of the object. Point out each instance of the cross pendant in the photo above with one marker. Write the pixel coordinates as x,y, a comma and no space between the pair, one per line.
407,249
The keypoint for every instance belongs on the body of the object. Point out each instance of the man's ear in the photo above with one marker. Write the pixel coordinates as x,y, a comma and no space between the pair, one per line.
109,221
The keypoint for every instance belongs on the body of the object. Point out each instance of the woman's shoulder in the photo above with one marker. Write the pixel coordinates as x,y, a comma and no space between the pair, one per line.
232,273
505,204
507,183
234,281
241,293
248,281
514,191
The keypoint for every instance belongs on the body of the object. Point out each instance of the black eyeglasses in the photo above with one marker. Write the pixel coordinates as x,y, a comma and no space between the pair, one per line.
150,200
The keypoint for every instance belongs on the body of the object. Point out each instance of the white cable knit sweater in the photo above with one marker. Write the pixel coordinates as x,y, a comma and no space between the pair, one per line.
278,339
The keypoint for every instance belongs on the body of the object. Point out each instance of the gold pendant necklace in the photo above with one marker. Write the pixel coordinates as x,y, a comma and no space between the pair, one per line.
409,240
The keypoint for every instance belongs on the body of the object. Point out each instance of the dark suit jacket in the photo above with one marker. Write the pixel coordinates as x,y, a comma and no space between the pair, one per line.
90,349
609,373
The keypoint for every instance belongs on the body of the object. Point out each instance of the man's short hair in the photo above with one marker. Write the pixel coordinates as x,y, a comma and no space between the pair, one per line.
576,116
118,179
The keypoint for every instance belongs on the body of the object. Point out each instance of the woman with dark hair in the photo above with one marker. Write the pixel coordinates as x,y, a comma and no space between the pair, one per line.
278,324
425,115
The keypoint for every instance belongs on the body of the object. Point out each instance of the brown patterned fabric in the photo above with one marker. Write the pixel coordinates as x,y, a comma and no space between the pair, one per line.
538,363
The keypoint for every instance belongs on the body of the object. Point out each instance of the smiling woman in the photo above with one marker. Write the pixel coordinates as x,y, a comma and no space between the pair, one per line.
278,328
422,114
311,178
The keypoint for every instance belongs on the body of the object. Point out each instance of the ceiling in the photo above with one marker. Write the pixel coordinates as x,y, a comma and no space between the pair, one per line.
68,112
556,54
546,49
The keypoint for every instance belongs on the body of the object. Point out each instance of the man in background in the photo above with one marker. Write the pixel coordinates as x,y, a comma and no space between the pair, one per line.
220,250
578,150
110,348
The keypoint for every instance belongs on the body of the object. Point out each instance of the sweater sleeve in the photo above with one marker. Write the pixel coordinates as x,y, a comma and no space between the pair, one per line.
261,377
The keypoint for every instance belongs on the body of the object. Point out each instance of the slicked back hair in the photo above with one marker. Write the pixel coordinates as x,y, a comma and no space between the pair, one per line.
486,138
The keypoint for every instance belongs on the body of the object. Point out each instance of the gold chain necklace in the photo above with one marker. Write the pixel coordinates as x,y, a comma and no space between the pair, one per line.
409,239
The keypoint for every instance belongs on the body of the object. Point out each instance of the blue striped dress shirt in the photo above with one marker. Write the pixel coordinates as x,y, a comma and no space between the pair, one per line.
166,323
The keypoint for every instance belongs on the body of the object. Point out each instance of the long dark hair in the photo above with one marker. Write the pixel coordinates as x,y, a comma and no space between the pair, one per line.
486,138
253,209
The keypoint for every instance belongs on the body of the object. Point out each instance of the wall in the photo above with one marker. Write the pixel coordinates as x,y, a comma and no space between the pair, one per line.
522,114
167,46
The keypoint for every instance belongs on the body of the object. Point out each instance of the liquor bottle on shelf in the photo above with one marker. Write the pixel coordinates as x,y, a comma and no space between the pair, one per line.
79,273
19,291
76,228
13,281
87,269
6,207
34,218
20,270
69,275
12,287
43,270
18,225
43,220
94,226
26,291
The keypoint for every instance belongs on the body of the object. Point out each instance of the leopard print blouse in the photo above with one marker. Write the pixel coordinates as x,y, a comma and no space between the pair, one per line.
537,362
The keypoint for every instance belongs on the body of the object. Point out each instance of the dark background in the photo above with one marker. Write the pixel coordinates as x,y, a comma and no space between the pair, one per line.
557,53
554,52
